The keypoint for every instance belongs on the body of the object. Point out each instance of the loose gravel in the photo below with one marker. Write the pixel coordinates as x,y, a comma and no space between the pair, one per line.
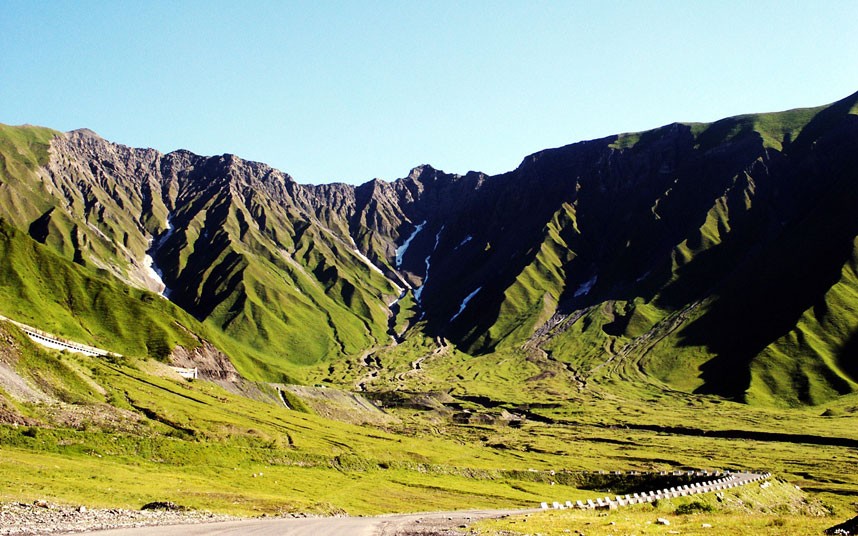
42,517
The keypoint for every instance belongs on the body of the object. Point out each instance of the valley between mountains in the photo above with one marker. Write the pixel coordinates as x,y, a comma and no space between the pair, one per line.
681,298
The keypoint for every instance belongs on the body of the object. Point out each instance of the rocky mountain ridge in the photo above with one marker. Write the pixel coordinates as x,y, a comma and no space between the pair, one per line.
744,228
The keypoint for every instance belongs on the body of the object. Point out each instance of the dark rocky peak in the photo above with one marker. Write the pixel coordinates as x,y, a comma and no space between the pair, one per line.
256,172
377,207
331,204
95,145
423,173
335,194
422,181
83,153
375,189
428,176
477,176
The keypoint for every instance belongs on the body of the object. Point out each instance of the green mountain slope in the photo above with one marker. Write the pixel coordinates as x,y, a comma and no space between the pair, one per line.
39,287
710,258
228,237
694,250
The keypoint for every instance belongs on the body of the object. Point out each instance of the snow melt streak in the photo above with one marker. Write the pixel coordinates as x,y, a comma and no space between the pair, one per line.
370,264
465,303
465,241
151,268
419,291
400,251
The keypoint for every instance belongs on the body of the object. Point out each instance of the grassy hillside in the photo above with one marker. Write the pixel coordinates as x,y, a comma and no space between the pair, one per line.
43,289
123,434
711,258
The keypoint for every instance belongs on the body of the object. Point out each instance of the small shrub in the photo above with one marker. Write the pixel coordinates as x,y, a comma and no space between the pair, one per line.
168,506
693,508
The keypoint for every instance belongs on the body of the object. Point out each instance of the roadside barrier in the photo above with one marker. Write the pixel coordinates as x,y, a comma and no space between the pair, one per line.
729,480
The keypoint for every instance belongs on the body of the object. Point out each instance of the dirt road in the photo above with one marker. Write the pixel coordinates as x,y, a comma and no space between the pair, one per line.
388,525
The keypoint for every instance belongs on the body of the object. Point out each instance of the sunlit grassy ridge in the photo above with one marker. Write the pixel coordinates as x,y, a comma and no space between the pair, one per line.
735,278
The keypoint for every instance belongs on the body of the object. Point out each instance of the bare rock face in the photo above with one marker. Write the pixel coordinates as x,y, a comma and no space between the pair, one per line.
8,415
211,363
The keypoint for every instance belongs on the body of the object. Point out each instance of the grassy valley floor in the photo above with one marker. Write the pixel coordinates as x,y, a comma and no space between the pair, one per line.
123,433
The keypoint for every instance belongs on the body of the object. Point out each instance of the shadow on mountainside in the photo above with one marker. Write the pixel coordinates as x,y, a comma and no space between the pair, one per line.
768,295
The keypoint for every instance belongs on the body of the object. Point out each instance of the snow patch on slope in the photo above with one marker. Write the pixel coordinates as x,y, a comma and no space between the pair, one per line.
153,274
152,269
465,241
419,290
586,286
368,262
372,266
364,258
400,251
465,303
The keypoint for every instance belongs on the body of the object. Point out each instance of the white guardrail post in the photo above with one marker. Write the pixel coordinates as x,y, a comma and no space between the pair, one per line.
727,481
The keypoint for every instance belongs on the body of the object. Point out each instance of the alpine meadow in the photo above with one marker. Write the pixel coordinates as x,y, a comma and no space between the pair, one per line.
608,314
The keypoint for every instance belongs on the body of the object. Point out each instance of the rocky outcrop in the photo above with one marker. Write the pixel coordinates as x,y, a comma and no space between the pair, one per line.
211,363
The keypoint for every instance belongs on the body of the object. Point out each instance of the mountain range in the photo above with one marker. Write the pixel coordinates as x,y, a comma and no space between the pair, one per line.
718,258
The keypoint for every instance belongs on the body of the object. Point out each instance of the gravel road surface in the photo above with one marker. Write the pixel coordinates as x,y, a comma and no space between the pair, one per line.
434,523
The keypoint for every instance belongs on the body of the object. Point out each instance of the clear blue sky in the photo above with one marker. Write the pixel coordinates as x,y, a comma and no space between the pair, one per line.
349,91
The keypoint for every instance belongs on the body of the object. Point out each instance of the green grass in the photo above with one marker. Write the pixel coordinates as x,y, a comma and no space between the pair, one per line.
635,521
195,444
231,487
40,288
286,299
531,299
22,151
778,509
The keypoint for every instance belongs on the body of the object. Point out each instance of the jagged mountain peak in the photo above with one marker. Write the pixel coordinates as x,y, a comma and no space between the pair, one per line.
421,171
641,244
427,173
84,133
